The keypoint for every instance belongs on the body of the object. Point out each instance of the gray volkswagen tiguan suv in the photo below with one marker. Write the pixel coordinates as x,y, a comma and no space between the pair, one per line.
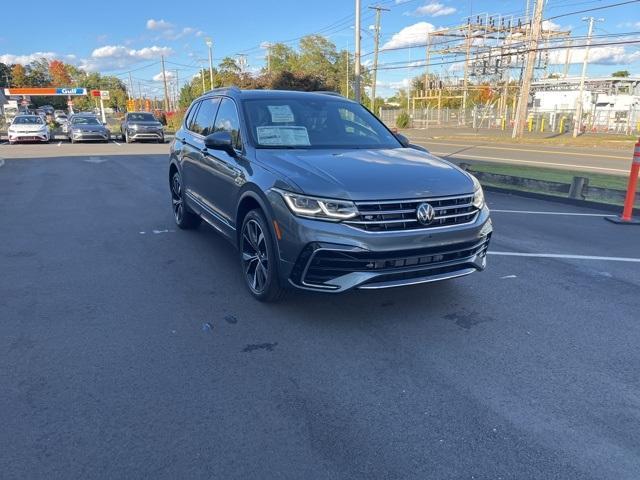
317,194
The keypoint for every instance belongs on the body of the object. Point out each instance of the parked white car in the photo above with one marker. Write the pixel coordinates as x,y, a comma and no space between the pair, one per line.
28,128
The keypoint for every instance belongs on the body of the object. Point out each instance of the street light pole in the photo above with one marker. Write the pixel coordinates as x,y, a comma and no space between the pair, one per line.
577,123
209,43
356,82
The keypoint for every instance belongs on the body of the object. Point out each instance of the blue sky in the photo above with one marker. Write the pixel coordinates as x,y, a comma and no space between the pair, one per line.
122,36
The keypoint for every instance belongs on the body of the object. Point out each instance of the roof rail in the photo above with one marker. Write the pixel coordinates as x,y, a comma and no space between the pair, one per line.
329,92
232,88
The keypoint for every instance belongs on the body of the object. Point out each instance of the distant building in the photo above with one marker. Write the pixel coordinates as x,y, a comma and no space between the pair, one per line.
609,103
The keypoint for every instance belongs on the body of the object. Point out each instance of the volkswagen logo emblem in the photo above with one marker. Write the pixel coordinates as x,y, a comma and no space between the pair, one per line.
425,213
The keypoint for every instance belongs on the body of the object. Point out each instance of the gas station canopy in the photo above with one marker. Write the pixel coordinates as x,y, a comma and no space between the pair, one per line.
48,91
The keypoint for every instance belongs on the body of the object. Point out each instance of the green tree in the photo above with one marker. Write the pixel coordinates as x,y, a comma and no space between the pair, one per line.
621,74
18,76
38,73
282,58
5,75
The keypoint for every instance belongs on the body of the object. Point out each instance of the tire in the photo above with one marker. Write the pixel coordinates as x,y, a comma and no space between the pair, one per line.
183,216
259,259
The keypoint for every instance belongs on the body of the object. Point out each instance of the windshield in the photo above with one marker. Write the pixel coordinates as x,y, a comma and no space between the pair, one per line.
141,117
31,120
314,123
85,121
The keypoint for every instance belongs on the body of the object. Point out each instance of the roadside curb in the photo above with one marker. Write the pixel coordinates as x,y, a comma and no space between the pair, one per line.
552,198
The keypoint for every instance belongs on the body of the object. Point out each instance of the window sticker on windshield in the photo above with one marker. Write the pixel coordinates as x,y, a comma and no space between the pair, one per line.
281,113
283,136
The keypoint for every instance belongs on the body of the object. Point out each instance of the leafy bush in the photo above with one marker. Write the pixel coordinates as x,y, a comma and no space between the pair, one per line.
403,120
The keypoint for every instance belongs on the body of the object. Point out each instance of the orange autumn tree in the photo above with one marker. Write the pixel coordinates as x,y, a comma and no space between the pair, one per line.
59,75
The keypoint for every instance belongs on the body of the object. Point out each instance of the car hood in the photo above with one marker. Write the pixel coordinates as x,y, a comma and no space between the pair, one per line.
89,128
27,127
387,174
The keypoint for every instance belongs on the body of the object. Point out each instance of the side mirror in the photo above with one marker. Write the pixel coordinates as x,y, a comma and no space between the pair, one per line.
220,141
404,141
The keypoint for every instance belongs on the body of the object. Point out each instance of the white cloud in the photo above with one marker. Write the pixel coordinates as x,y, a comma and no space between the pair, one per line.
606,55
411,35
158,24
169,74
549,25
113,57
10,59
433,9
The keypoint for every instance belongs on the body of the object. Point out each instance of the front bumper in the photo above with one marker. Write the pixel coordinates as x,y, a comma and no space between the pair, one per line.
333,257
89,136
28,137
146,134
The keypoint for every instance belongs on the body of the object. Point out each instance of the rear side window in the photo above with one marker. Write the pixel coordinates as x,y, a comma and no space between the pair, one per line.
190,114
203,120
228,121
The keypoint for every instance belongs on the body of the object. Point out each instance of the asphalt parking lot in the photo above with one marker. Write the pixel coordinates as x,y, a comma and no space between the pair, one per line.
131,350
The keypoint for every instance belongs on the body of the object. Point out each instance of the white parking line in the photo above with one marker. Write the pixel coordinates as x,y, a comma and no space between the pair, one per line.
531,162
570,257
531,150
529,212
116,143
1,162
59,143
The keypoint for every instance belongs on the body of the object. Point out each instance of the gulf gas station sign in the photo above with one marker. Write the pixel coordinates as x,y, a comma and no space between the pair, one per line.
48,91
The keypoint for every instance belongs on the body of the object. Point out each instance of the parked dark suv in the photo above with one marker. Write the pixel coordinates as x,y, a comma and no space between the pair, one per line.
141,126
318,194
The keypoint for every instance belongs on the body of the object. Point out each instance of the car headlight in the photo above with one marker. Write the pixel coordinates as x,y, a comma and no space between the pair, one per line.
134,127
478,194
320,208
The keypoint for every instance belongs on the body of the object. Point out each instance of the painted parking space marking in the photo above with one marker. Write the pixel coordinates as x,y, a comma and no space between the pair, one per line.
557,152
565,256
573,214
1,162
116,143
59,143
531,162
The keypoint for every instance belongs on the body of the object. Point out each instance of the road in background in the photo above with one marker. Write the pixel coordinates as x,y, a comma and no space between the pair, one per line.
130,349
594,159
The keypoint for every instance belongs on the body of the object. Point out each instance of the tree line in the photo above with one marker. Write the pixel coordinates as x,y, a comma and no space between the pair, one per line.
314,65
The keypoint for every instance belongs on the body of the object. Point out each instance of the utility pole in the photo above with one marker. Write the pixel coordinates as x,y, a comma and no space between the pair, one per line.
177,102
426,72
130,92
378,10
166,91
347,52
523,100
567,59
209,43
466,73
356,82
577,122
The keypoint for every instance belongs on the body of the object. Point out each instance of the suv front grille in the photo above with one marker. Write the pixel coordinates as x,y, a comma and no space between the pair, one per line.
387,216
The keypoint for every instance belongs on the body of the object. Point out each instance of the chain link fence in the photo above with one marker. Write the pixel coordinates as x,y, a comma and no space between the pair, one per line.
609,121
